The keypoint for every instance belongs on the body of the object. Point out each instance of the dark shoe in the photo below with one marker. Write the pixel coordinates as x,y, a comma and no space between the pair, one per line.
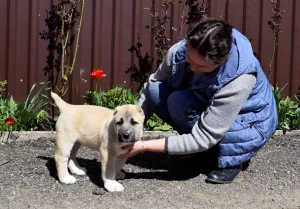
226,175
223,176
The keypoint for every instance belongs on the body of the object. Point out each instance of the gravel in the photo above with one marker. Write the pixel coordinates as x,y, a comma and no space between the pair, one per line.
28,179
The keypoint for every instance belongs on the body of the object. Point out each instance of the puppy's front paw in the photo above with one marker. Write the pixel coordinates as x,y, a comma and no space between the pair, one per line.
68,180
81,172
121,175
113,186
78,171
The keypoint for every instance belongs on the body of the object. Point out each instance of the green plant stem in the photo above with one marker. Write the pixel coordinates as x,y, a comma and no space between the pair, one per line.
273,54
223,10
105,84
63,51
182,19
78,34
69,30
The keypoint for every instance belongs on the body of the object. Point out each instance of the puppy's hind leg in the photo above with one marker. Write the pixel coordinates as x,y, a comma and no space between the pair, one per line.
64,145
73,165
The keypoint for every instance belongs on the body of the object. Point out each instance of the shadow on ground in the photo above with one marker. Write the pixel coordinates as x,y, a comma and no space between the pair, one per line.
93,168
156,166
169,168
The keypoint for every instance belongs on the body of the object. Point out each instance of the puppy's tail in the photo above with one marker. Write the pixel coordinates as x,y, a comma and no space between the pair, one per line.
58,101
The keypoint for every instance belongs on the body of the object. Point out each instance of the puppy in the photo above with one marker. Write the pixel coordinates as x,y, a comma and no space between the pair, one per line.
99,129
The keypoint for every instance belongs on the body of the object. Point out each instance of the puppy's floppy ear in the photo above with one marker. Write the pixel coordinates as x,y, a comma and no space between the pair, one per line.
140,109
115,111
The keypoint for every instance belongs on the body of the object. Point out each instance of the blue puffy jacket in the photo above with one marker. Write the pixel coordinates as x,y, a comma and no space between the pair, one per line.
257,120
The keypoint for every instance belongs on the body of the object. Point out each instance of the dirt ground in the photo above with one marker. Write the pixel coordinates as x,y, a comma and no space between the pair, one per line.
28,179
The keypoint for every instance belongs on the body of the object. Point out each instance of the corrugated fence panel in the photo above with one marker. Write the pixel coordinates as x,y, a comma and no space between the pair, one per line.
218,8
253,24
140,20
11,52
236,14
40,52
283,65
296,47
267,41
110,27
123,40
108,42
4,23
81,76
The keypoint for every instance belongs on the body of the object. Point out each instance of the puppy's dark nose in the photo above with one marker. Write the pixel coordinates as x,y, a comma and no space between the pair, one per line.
126,135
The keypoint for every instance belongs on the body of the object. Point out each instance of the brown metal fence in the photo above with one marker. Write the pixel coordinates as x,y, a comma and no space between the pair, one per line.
110,27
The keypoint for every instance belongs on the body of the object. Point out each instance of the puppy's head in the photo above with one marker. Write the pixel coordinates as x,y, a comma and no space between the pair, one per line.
128,122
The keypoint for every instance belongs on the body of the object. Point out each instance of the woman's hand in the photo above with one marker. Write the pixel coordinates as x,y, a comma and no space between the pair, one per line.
155,145
133,149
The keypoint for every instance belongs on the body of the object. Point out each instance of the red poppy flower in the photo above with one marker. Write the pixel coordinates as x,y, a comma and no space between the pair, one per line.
98,74
9,121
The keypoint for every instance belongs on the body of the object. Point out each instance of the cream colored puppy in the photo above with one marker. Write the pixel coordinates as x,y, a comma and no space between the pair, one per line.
99,129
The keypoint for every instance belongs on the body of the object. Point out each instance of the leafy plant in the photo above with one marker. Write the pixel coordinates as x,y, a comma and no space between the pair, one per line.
274,24
288,115
60,22
94,97
157,124
140,73
27,115
288,111
120,96
196,12
277,94
298,94
7,108
43,121
158,29
161,42
33,104
112,98
2,87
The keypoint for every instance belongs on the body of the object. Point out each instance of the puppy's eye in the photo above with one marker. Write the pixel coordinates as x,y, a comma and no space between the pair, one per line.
133,122
120,122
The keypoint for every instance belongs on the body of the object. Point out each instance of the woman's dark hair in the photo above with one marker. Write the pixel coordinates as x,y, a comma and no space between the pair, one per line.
212,39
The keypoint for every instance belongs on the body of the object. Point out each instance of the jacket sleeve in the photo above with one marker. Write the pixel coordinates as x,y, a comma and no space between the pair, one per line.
216,120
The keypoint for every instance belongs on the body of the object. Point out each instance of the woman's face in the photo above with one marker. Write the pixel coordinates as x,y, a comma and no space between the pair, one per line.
197,62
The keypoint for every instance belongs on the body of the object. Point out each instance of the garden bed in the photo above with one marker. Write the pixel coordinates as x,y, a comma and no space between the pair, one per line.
8,137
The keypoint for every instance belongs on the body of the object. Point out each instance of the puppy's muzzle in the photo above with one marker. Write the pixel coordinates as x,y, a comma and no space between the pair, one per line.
125,137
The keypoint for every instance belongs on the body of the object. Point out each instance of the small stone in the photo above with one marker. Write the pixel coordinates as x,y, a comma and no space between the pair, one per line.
98,192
